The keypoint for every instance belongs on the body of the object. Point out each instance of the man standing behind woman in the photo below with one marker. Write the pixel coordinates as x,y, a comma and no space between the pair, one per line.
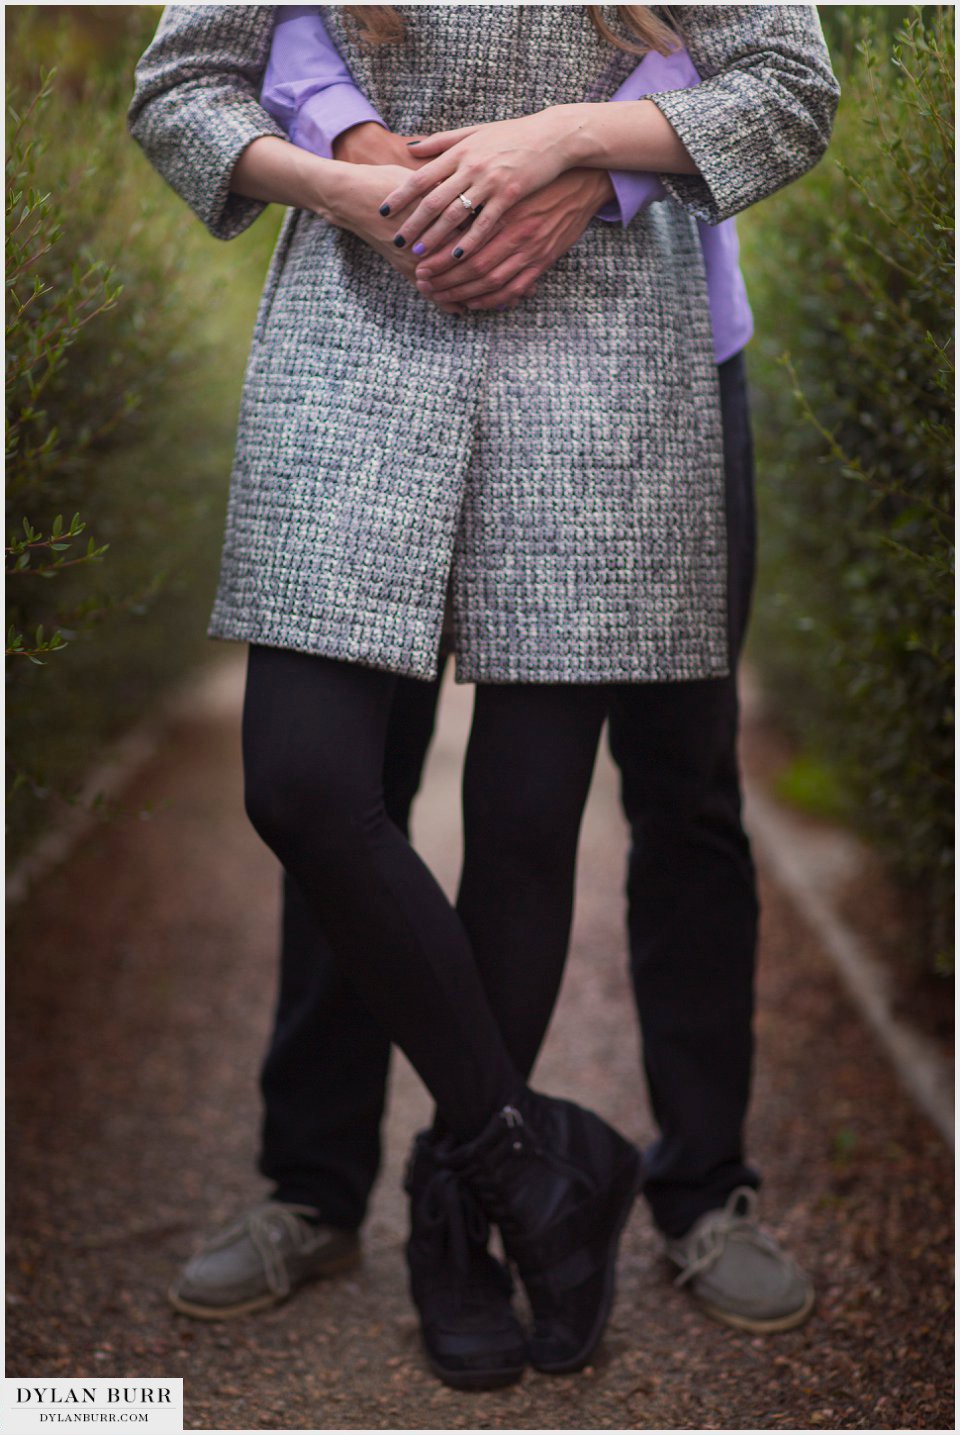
693,908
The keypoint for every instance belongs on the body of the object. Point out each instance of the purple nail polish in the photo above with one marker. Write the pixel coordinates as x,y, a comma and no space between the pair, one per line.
458,253
500,308
417,248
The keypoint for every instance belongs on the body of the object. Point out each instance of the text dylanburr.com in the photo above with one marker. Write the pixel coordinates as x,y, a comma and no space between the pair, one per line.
55,1402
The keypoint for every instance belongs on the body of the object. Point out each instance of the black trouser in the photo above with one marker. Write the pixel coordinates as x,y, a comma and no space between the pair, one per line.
324,1078
691,887
466,993
692,935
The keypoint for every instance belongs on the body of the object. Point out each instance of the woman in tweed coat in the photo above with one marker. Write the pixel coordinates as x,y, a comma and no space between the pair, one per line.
561,465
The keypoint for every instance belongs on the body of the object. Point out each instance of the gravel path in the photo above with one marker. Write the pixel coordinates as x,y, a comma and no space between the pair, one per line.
139,994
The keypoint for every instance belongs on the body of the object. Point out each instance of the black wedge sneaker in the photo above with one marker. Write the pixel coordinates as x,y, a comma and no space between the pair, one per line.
560,1183
471,1336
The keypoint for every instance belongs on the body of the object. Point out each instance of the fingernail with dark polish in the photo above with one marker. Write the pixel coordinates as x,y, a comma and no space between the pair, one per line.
500,308
399,240
458,254
384,209
411,143
418,249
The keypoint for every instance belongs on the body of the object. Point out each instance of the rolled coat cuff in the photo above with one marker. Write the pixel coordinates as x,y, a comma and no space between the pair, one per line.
763,112
215,153
196,155
195,106
718,192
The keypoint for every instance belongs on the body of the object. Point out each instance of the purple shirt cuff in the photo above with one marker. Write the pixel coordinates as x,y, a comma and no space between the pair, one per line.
307,86
635,189
324,116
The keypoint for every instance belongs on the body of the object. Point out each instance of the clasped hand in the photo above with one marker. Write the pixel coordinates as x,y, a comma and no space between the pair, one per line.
533,207
494,166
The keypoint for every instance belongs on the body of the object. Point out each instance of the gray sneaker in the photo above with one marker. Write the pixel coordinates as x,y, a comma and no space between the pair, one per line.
258,1260
737,1272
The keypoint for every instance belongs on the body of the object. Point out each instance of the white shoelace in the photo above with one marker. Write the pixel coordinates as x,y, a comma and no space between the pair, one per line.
737,1220
268,1227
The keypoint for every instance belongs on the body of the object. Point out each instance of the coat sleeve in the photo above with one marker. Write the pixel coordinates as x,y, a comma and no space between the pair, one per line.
196,107
764,109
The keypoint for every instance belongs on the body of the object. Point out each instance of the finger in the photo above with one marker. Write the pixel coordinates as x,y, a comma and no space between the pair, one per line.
417,183
524,283
483,284
510,294
444,304
434,242
443,265
436,143
448,273
484,226
448,308
435,219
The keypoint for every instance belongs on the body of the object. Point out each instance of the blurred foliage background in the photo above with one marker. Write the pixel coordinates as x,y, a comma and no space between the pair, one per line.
127,333
123,382
851,276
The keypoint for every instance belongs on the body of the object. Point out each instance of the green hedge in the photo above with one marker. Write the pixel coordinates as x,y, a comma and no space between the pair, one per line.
127,332
851,277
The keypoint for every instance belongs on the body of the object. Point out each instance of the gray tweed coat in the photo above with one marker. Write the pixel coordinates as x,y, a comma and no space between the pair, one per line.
560,466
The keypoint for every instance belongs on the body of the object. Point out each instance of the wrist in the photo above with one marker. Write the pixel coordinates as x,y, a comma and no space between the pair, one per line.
326,188
365,143
573,129
601,187
588,189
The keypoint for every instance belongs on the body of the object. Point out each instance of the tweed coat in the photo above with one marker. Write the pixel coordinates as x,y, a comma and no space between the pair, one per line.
560,465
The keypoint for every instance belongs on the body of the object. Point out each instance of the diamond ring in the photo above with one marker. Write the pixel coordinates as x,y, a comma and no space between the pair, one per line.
467,203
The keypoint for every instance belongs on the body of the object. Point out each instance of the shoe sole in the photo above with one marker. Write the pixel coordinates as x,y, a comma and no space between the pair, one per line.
756,1326
476,1380
633,1175
262,1302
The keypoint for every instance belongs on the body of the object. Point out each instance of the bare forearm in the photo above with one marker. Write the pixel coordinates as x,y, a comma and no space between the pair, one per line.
340,192
271,169
632,134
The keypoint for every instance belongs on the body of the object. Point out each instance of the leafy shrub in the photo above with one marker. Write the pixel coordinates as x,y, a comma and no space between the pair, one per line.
127,330
46,313
851,277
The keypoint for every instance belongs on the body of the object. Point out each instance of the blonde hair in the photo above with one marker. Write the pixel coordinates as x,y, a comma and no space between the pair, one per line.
382,25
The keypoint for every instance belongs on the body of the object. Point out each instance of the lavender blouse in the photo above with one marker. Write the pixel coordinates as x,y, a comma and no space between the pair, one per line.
311,93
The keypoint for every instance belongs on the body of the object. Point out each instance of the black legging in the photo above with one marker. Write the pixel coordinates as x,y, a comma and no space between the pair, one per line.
527,772
469,1017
